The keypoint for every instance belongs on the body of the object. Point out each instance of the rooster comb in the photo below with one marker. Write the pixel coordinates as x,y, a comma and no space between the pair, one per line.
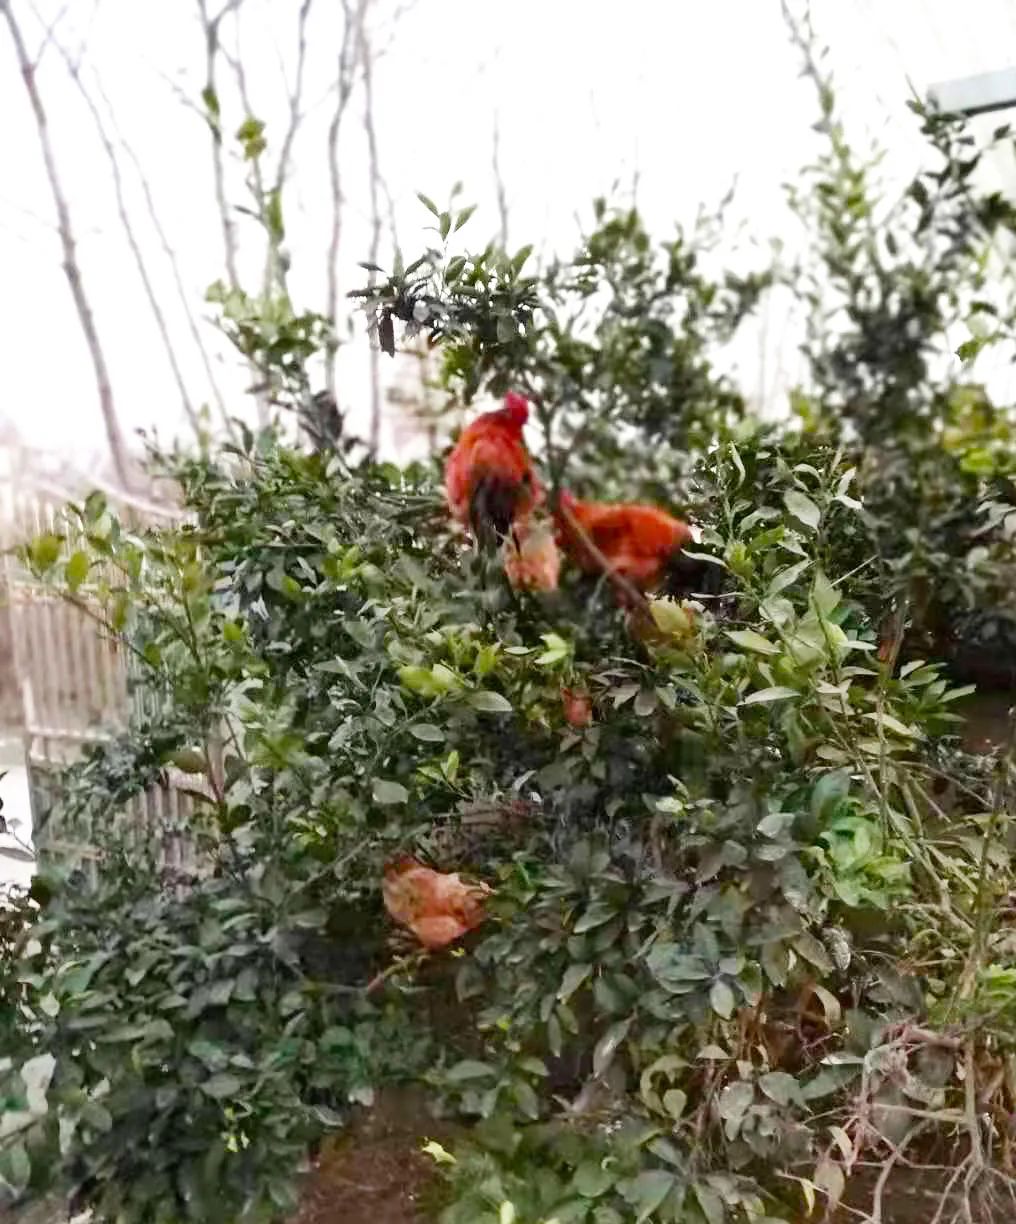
517,408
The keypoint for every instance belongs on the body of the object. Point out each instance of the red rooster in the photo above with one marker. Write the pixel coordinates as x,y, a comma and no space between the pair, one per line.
640,545
489,477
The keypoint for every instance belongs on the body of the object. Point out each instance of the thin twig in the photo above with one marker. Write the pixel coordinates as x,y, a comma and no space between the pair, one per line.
353,18
502,194
370,128
887,1168
403,962
295,97
211,26
183,292
128,228
72,269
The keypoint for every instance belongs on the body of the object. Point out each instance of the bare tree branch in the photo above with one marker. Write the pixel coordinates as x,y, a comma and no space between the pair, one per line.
213,48
211,25
502,194
354,18
174,263
72,269
256,182
49,30
370,128
128,228
295,96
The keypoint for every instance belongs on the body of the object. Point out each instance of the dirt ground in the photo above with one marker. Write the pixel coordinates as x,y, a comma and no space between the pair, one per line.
375,1173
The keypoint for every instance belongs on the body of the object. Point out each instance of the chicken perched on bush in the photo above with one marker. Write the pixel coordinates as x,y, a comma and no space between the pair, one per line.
438,907
639,545
490,482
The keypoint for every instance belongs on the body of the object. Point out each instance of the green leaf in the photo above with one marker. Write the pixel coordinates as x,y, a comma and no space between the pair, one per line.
468,1069
437,1153
36,1075
427,732
96,1116
520,258
778,692
119,1033
592,1179
77,569
674,1102
785,578
802,508
189,760
750,640
893,724
19,1167
526,1098
824,595
721,998
386,793
606,1047
647,1191
781,1088
574,976
44,551
776,824
490,702
211,101
828,792
710,1203
829,1178
735,1100
428,204
221,1086
464,216
814,951
596,915
420,680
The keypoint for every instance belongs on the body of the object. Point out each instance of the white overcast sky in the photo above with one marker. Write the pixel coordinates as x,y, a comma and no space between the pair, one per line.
686,94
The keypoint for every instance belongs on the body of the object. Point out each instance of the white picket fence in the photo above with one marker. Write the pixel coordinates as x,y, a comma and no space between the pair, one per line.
65,681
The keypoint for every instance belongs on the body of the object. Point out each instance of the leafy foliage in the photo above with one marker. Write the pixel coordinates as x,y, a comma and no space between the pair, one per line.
750,912
612,345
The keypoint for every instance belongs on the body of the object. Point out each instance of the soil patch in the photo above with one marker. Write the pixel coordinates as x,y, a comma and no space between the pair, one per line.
375,1173
988,724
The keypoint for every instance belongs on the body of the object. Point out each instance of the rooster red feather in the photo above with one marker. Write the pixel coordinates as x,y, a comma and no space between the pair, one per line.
489,477
640,544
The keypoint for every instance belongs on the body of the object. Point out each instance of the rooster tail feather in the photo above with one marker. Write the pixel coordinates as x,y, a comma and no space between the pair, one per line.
492,509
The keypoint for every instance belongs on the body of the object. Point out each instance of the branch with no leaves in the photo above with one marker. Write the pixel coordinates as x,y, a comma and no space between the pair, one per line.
295,97
182,292
72,269
502,194
366,67
354,15
128,228
211,26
